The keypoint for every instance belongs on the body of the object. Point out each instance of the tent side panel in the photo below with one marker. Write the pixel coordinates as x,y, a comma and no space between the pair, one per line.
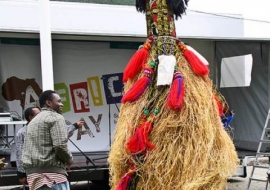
250,104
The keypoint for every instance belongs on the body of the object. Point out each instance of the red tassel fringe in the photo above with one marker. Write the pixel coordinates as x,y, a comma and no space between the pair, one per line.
219,105
125,181
197,65
139,142
139,87
176,95
135,64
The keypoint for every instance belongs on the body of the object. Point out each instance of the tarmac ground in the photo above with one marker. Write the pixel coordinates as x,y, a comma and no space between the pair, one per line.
234,183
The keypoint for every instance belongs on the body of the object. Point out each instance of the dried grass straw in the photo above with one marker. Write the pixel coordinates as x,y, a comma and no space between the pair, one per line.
193,151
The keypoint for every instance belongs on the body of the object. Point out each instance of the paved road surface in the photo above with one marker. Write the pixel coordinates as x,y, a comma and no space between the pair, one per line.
233,184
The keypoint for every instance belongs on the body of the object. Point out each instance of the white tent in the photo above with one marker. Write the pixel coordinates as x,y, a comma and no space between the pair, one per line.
214,36
109,20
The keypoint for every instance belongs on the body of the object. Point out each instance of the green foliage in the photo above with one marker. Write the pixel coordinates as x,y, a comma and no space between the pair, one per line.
112,2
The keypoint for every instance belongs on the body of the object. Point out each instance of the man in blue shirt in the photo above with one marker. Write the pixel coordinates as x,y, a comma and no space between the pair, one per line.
29,114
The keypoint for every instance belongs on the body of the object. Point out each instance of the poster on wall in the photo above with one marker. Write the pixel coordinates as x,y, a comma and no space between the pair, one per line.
87,76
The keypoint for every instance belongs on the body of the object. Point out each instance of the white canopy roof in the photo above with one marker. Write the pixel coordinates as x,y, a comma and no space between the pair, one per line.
113,20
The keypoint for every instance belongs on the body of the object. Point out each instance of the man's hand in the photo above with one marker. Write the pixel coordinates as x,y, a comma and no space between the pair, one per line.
80,123
2,163
68,165
22,180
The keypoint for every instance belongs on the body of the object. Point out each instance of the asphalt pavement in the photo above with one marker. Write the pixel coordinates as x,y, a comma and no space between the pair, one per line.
235,183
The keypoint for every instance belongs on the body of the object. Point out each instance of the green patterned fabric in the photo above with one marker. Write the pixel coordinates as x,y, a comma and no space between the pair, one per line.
112,2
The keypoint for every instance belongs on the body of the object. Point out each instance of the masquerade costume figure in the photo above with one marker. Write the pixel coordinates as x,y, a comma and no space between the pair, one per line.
170,134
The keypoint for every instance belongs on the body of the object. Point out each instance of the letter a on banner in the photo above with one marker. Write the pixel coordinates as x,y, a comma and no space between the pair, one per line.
86,131
80,98
31,98
96,123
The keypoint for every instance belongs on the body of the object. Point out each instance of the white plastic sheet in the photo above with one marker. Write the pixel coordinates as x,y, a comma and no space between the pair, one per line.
236,71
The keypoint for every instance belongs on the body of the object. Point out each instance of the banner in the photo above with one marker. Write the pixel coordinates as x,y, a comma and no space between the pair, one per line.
88,78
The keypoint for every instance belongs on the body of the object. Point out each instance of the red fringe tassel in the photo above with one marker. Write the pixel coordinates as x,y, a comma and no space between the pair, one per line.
219,105
139,142
135,64
176,95
125,181
139,87
197,65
